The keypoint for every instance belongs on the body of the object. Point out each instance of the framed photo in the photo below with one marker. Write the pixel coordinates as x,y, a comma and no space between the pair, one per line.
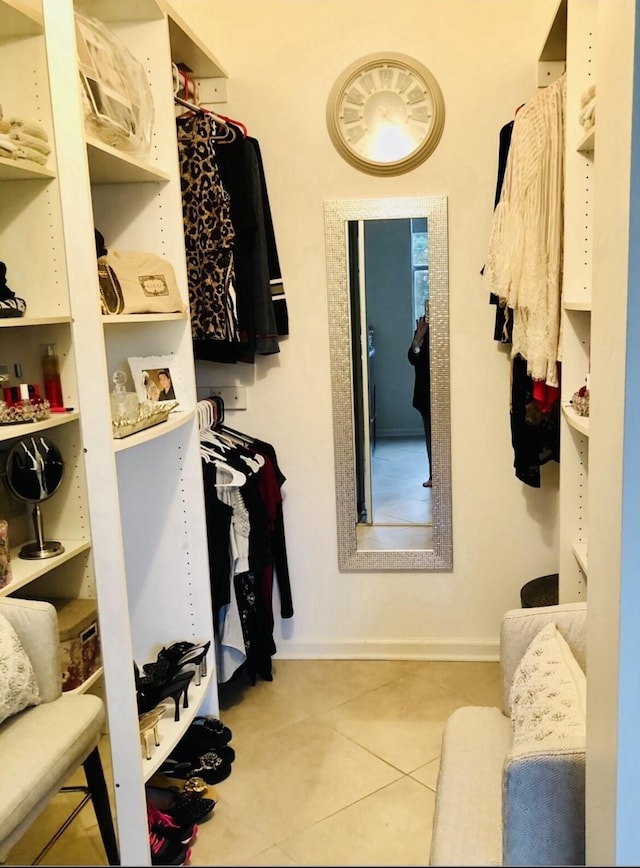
158,379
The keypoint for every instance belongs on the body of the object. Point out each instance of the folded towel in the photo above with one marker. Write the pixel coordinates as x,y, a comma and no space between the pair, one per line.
588,95
30,141
5,126
588,113
7,145
30,128
30,154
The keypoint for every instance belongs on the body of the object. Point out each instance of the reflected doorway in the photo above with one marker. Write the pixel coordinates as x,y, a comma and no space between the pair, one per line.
389,288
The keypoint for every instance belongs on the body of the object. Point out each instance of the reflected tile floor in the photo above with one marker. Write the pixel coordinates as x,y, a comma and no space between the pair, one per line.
399,466
336,764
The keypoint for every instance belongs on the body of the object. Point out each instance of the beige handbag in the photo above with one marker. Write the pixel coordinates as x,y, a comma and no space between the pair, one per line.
132,282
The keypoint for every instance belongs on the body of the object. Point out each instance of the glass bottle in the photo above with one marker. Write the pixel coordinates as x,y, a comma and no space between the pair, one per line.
51,376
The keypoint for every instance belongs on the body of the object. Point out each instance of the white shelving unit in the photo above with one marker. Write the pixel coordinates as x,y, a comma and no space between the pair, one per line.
129,512
570,47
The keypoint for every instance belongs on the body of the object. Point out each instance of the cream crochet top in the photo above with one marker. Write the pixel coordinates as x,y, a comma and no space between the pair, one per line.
524,262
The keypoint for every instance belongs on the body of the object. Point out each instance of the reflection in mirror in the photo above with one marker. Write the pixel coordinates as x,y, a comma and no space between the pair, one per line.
385,259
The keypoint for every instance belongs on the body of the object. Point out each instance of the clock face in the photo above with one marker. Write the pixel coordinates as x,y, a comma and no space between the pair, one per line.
385,114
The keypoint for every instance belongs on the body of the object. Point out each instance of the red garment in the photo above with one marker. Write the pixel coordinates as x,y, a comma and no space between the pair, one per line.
545,396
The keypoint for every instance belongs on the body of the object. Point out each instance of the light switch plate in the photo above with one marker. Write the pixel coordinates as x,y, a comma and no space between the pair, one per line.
234,397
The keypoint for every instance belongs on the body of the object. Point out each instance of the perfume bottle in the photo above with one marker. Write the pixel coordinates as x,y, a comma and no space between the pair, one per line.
51,376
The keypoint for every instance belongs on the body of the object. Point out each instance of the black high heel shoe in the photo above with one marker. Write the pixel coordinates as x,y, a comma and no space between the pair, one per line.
174,658
150,693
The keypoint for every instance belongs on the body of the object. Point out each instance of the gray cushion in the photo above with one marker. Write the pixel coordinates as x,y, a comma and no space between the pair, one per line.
39,748
467,827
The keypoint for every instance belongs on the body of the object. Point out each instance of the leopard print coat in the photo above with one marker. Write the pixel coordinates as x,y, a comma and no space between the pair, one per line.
209,233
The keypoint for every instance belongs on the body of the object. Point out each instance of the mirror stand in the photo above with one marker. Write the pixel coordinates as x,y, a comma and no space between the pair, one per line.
41,548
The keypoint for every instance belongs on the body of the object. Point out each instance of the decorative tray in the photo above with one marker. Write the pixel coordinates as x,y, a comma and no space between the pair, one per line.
145,419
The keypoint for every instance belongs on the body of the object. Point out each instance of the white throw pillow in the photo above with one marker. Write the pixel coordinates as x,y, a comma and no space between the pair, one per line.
18,685
548,696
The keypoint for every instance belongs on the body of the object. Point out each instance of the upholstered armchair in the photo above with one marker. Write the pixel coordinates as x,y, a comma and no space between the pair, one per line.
43,744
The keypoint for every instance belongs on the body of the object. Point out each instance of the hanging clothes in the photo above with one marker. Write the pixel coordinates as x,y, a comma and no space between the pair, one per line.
534,411
247,548
234,166
209,237
523,267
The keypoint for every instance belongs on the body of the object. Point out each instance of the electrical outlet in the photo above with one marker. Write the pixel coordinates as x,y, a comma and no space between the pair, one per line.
234,397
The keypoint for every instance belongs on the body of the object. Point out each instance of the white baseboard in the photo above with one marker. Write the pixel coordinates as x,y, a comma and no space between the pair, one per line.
470,650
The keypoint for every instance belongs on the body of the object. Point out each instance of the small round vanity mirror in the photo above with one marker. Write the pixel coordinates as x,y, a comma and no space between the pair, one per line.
33,473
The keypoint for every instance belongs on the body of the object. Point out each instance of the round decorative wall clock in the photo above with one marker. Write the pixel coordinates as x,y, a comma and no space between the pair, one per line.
385,113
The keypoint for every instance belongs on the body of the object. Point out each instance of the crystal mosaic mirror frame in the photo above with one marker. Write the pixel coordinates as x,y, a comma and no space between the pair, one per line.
337,214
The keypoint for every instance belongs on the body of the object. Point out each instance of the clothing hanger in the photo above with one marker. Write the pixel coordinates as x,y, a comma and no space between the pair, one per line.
242,127
190,88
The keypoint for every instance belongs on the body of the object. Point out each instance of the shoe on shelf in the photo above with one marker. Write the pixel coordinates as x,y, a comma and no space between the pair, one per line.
211,767
150,694
167,852
183,807
193,786
168,827
174,658
148,725
214,727
196,741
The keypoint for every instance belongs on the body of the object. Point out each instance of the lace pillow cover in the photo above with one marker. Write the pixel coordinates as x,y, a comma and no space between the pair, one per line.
548,697
18,685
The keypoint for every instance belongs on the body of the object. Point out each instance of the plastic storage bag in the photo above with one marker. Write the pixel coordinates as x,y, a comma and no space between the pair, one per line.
117,99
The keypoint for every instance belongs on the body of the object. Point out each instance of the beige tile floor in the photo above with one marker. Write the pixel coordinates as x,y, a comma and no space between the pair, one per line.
336,764
402,516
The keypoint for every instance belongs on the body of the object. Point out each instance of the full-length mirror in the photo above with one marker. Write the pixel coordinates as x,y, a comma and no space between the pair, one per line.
387,261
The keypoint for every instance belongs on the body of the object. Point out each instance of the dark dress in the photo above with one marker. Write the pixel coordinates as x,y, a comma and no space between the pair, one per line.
422,388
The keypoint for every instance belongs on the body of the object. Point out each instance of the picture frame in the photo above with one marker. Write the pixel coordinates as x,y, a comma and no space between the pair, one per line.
149,374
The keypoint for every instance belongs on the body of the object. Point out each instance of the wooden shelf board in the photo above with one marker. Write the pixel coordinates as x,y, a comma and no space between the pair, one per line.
12,432
12,321
24,572
580,554
580,423
107,165
170,731
175,420
555,46
577,304
111,11
23,170
86,685
187,48
587,143
17,19
119,318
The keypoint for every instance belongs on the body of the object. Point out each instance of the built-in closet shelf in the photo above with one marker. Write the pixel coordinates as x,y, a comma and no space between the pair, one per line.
16,321
580,423
170,731
11,432
580,554
24,170
110,11
577,304
555,45
587,143
187,48
18,19
87,684
175,420
119,318
23,572
107,165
